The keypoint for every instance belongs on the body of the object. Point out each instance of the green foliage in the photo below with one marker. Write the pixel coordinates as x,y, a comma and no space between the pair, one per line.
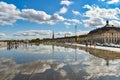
37,40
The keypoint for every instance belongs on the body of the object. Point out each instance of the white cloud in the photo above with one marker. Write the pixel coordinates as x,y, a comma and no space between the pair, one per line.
94,22
57,17
113,1
87,6
40,16
95,11
67,24
75,21
77,13
2,34
66,2
95,16
33,15
63,10
115,23
33,34
67,33
30,34
63,34
8,13
102,0
82,32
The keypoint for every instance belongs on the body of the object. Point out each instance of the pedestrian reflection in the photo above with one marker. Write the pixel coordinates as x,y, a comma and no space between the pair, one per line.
9,45
13,45
107,62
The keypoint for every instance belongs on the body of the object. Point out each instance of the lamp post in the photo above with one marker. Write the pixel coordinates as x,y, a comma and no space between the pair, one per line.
75,33
65,35
53,35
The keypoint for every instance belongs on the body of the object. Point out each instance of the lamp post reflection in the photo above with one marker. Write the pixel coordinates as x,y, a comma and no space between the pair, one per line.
75,53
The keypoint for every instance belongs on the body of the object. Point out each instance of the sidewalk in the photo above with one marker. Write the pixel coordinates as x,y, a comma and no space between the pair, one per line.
98,47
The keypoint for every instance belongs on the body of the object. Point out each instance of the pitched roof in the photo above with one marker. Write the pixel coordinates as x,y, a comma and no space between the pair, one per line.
104,29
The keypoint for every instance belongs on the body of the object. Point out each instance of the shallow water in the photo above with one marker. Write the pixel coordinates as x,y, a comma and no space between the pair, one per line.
50,62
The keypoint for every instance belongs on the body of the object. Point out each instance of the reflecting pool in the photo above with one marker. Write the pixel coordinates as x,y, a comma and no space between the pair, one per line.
50,62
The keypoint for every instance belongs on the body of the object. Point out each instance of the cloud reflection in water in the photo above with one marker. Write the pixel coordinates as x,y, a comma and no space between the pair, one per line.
74,64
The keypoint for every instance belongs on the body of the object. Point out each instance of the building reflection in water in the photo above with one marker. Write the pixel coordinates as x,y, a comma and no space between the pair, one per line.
104,54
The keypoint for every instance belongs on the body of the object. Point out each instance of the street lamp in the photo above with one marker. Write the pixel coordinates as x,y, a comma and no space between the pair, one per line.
75,33
53,35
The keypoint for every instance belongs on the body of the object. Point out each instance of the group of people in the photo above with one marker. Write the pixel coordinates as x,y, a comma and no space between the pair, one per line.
90,43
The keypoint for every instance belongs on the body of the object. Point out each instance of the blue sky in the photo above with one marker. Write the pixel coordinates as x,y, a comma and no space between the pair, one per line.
27,19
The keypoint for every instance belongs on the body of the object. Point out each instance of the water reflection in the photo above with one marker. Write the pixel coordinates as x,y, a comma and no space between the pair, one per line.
102,64
50,62
15,45
106,55
11,45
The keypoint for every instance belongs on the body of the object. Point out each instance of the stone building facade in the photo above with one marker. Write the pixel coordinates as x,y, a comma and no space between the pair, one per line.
106,34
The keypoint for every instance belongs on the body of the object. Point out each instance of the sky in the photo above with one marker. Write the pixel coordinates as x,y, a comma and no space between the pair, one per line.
30,19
